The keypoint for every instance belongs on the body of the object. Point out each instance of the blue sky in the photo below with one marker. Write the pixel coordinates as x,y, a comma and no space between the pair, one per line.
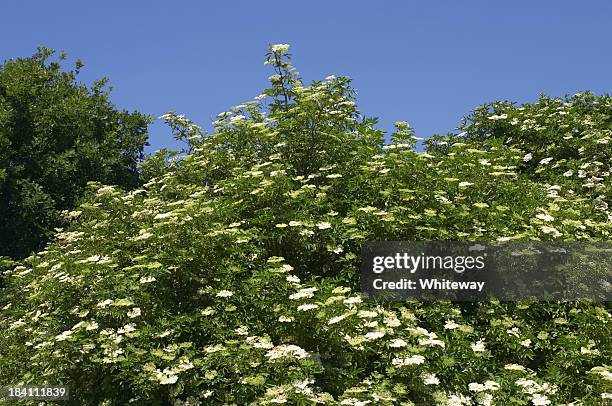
427,62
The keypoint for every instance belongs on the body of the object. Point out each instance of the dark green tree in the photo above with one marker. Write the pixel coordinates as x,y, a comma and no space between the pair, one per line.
56,134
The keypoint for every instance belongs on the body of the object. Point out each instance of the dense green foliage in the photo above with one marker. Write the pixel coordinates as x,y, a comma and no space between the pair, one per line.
55,135
231,276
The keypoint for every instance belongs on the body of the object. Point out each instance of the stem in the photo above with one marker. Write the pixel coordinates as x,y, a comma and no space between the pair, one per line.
280,73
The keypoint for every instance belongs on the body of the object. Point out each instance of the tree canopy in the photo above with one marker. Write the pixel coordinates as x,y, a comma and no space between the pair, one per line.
56,134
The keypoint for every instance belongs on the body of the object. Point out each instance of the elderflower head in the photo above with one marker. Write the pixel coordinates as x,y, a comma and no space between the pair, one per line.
336,319
545,217
546,161
352,300
225,293
514,367
412,360
293,279
286,350
373,335
478,346
306,307
551,230
397,343
305,293
430,379
323,225
451,325
279,48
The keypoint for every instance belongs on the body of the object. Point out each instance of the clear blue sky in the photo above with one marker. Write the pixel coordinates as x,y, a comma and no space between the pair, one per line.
427,62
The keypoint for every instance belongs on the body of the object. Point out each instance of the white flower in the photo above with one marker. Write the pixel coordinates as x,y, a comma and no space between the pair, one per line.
143,236
336,319
451,325
498,117
366,314
323,225
430,379
303,293
225,293
412,360
281,351
258,342
514,367
147,279
546,161
91,326
293,279
207,311
465,184
307,306
525,343
607,375
105,189
430,342
128,328
135,312
491,385
63,336
279,48
551,230
352,300
236,119
373,335
74,214
17,324
540,400
213,348
167,377
458,400
476,387
163,216
545,217
392,321
397,343
285,319
514,331
478,346
528,157
104,303
165,333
